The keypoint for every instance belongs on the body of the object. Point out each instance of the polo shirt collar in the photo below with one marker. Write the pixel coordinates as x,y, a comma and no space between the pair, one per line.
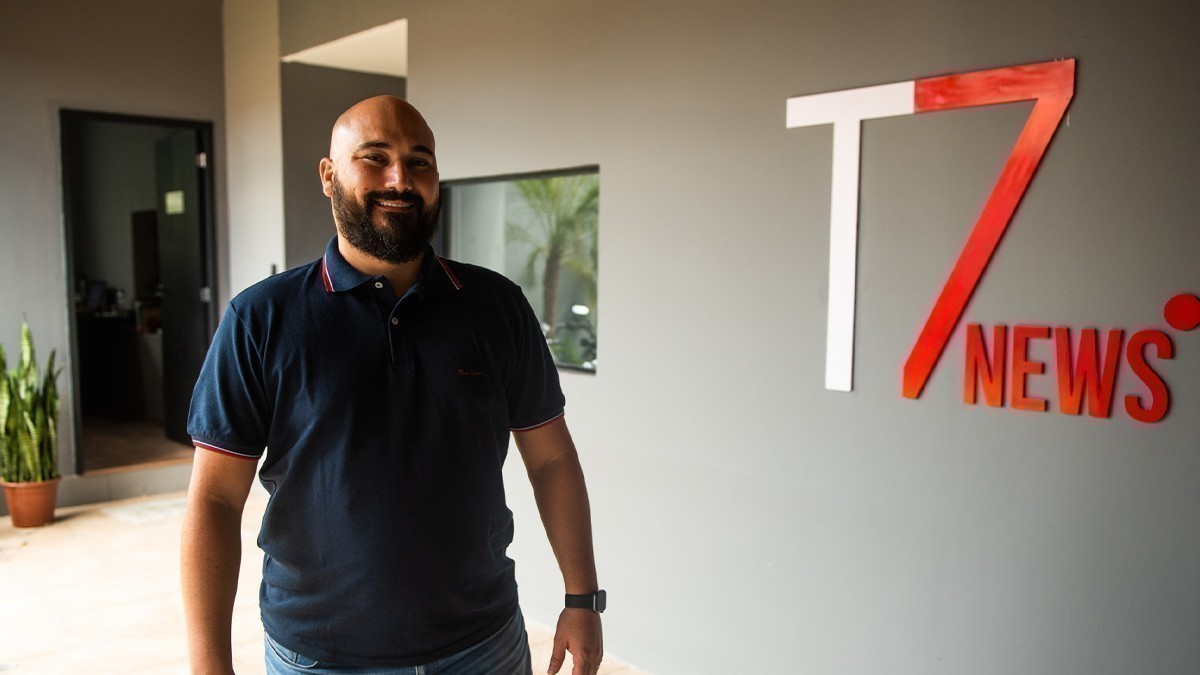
436,275
338,275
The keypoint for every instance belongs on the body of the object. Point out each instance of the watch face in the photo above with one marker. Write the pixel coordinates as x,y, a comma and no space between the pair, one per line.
601,600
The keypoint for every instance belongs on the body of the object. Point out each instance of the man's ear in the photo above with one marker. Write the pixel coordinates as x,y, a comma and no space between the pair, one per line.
325,169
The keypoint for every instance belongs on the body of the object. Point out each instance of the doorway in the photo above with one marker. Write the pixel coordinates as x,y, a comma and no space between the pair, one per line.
138,215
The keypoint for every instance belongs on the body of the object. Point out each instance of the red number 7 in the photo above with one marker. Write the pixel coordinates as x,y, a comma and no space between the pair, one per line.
1051,85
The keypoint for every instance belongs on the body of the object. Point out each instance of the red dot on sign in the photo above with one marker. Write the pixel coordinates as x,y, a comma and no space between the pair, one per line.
1183,311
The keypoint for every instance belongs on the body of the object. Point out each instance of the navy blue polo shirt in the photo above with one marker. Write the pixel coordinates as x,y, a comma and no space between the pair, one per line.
387,423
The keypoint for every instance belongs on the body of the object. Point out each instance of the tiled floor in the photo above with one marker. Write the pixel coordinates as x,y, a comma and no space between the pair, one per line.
97,591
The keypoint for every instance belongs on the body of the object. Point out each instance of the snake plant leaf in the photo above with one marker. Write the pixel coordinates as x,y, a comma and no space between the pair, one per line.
27,367
39,441
25,440
29,409
26,346
4,460
52,407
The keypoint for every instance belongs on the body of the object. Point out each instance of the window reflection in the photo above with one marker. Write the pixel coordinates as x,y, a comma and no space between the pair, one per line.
541,232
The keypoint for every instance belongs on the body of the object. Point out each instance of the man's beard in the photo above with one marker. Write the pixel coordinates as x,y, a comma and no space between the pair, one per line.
400,238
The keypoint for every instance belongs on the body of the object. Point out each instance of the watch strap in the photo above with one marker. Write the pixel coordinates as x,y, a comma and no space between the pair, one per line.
594,601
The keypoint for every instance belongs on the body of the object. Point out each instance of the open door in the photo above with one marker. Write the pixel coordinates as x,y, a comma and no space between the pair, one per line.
138,218
186,295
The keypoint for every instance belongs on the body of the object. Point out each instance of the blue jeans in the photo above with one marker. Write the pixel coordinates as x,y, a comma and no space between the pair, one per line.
505,653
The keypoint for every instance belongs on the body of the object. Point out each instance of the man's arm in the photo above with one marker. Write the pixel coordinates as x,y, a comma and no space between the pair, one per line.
211,555
562,501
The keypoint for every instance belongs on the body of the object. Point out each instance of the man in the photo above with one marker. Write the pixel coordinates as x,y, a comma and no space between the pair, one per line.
384,381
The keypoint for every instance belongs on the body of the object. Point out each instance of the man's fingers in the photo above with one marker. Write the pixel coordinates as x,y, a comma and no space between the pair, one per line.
585,664
557,655
580,634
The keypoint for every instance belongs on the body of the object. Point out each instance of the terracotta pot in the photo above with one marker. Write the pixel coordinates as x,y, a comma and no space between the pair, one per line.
31,504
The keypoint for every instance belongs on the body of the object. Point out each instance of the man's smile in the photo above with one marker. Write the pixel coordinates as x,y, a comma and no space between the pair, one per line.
395,204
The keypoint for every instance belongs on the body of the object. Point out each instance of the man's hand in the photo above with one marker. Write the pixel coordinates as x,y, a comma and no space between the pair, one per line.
578,632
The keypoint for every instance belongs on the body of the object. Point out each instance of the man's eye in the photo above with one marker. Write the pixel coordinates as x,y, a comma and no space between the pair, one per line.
378,159
418,162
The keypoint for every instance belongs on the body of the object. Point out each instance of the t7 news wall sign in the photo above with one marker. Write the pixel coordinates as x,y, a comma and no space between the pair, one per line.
1089,376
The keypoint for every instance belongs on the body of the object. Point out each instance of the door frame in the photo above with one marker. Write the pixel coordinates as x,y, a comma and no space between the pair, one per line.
70,120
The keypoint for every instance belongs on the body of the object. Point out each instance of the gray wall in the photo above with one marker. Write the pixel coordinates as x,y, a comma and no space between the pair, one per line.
746,518
313,98
136,57
254,148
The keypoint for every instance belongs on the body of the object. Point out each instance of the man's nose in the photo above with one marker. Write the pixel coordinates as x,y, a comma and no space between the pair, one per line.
396,176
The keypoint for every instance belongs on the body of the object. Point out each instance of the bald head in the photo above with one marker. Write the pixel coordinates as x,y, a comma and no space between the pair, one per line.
383,133
375,118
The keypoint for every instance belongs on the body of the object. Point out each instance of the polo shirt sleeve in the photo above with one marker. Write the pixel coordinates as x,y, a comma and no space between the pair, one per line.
535,397
230,411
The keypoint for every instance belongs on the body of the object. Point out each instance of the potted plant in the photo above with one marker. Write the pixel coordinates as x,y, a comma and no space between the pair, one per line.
29,436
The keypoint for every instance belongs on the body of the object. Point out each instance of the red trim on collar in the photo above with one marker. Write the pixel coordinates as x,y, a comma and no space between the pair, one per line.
453,279
325,275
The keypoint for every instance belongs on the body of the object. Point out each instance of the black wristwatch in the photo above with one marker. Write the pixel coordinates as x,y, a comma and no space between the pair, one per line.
593,601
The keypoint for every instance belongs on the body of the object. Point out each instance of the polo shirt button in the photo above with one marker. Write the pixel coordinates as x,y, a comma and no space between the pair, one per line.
395,321
378,284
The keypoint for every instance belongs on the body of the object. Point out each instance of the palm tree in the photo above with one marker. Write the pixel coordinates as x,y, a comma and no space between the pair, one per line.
561,233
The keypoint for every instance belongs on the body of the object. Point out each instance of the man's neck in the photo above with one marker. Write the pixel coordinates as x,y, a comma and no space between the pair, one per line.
401,276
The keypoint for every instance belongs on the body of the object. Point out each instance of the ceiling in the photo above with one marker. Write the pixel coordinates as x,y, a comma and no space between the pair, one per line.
382,50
